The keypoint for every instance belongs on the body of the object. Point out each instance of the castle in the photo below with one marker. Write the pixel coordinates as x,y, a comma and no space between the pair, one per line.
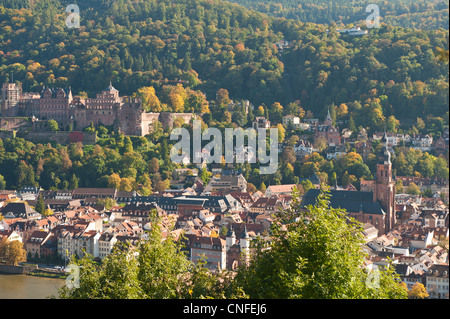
125,114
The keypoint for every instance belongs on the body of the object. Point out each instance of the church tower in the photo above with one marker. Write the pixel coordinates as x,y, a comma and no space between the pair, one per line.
384,189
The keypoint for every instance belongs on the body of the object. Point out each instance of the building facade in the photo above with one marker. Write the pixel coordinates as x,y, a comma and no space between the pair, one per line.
108,108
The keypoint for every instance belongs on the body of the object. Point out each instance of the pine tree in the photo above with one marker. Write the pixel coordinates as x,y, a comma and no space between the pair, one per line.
73,183
250,116
40,205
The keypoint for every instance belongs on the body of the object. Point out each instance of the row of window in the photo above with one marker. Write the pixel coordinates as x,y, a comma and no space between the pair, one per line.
436,279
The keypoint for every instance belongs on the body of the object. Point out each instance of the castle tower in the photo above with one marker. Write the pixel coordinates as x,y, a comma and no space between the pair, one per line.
244,243
384,189
231,238
10,98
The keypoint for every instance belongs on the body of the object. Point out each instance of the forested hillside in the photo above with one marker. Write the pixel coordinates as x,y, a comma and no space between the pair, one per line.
418,14
208,45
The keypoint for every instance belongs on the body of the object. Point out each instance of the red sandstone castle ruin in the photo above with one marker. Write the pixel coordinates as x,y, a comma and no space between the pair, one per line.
107,108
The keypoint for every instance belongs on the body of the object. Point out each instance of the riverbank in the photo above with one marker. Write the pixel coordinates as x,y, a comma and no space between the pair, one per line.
40,273
32,270
20,269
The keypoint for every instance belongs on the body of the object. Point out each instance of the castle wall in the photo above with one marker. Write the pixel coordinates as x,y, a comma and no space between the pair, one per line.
129,116
146,120
14,123
104,116
62,137
108,109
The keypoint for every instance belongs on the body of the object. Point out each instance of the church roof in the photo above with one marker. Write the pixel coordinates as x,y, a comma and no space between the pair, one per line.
384,156
351,201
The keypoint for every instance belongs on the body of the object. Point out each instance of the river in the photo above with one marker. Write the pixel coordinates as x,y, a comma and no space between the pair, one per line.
28,287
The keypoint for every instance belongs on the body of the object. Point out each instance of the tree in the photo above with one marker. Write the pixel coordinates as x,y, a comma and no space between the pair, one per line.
262,187
2,182
150,101
276,112
155,268
3,245
106,202
153,165
251,188
418,291
315,253
392,124
281,132
351,124
222,97
40,205
156,130
306,185
162,185
73,183
250,116
399,186
146,184
47,212
320,143
176,98
440,168
342,111
114,181
226,117
126,184
413,189
52,125
260,111
15,253
205,175
128,145
239,116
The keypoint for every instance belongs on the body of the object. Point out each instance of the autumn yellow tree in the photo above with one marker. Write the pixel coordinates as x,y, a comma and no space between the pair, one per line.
281,132
114,181
15,253
48,212
260,111
126,184
342,111
150,101
177,97
145,184
418,291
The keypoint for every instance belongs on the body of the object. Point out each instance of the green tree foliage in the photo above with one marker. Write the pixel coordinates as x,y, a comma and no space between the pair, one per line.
178,43
53,125
155,268
317,255
40,205
418,14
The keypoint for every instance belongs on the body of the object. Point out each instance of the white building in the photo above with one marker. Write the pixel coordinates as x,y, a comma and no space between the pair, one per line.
422,142
75,241
106,244
437,282
291,120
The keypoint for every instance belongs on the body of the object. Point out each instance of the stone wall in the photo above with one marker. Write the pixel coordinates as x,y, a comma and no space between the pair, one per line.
15,123
165,118
10,269
57,137
146,120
